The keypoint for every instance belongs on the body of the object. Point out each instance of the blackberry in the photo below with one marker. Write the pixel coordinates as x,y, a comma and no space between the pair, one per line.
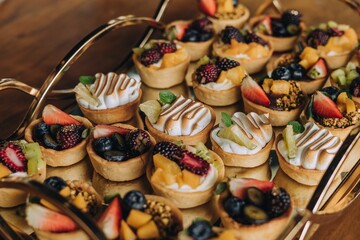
169,150
166,47
229,33
291,17
317,38
56,183
277,202
333,32
252,37
69,135
138,141
200,230
354,87
150,56
207,73
226,63
200,24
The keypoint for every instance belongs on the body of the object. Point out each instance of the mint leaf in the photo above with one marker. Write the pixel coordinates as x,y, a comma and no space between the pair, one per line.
226,119
297,127
308,110
167,97
220,187
87,79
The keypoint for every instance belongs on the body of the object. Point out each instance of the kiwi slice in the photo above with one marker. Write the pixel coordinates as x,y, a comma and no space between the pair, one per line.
255,196
255,215
33,154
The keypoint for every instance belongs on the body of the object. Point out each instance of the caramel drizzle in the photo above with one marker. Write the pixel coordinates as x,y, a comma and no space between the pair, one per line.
112,82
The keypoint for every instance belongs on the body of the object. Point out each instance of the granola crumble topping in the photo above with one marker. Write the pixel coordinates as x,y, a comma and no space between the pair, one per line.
237,13
347,120
291,101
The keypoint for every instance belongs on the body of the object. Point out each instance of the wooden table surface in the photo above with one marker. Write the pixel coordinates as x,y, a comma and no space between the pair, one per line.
36,35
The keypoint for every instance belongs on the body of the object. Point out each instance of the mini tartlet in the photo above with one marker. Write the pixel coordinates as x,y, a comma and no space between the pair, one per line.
282,100
225,13
333,110
305,156
161,64
249,49
107,99
308,69
282,31
334,42
243,140
174,118
217,82
195,36
22,159
185,175
62,137
49,223
119,152
254,209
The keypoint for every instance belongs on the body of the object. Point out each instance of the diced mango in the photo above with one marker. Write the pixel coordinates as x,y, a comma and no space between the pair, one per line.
4,171
225,6
180,180
227,234
280,87
125,232
138,218
172,59
166,164
191,179
80,202
236,75
222,77
162,177
306,51
310,55
256,51
350,105
305,64
65,192
267,84
341,98
148,231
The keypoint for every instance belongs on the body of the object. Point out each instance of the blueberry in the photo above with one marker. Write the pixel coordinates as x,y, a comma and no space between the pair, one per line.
281,73
40,130
297,71
102,144
118,141
204,36
191,35
134,200
56,183
354,87
200,230
54,128
114,156
234,207
331,91
49,142
278,28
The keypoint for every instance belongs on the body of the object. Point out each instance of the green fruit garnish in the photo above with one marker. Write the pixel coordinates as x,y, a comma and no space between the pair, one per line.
338,72
234,134
167,97
138,51
87,79
85,94
202,151
289,139
351,75
202,61
152,110
226,119
33,154
297,127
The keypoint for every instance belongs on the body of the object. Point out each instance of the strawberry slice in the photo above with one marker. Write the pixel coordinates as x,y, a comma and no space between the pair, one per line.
319,70
179,30
106,130
13,158
325,107
266,25
47,220
53,115
110,220
194,163
238,186
252,91
208,7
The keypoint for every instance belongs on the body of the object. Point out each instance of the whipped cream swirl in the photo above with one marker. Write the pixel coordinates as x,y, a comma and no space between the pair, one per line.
227,84
316,148
183,117
256,127
113,90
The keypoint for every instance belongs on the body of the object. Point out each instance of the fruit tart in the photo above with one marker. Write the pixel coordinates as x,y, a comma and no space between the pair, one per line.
161,64
47,220
119,152
184,174
224,13
333,110
305,154
282,100
174,118
281,31
308,69
249,49
110,98
243,140
216,82
195,36
62,137
139,216
334,42
23,159
254,209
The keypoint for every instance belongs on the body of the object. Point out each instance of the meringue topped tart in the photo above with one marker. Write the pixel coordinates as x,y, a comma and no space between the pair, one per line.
305,156
243,140
109,98
177,118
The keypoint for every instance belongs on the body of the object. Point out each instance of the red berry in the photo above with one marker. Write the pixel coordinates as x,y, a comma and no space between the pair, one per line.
150,56
167,47
229,33
194,163
317,38
226,64
323,106
208,7
69,135
207,73
138,141
13,158
238,186
53,115
201,24
253,92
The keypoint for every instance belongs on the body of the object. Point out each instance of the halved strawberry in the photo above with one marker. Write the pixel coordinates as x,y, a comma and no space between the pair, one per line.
179,30
238,186
13,158
266,25
194,163
110,220
45,219
325,107
107,130
53,115
319,70
208,7
253,92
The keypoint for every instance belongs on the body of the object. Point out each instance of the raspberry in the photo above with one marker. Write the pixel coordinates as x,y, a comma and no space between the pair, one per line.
277,202
169,150
166,47
229,33
13,158
138,141
291,17
69,135
194,163
252,37
201,24
207,73
317,38
227,63
150,56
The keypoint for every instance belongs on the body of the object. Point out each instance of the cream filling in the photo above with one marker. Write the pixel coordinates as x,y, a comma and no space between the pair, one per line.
227,84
